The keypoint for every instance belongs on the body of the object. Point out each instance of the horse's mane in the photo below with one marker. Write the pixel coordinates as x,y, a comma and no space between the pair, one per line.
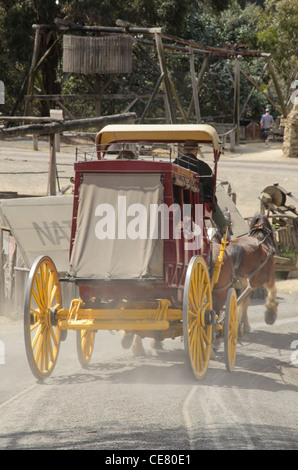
261,229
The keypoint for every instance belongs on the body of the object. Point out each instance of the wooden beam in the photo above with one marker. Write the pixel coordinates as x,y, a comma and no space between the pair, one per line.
166,81
29,118
219,50
237,99
63,25
177,100
260,89
52,128
198,84
112,96
47,52
277,87
251,92
194,87
137,41
61,105
151,99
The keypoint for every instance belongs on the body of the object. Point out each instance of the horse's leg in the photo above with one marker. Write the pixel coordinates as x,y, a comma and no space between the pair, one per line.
243,285
156,344
271,304
138,349
126,339
242,314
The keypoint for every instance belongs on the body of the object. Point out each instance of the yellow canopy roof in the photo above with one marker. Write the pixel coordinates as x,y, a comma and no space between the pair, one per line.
158,133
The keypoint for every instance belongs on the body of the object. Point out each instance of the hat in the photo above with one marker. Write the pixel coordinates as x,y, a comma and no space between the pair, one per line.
191,144
267,109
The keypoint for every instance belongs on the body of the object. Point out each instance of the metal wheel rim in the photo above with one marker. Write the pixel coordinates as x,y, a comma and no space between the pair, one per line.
197,299
230,330
85,344
42,336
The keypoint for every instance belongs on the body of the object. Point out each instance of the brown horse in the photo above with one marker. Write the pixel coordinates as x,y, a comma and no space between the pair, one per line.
249,265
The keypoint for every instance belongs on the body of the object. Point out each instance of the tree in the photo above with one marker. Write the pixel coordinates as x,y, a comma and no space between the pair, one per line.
210,22
234,25
18,17
278,35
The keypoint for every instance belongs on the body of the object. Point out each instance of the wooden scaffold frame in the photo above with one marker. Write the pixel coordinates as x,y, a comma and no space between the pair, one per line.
162,42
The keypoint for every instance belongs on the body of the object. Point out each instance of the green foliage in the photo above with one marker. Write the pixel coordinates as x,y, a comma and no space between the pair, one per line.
278,35
167,13
288,253
270,25
234,25
240,25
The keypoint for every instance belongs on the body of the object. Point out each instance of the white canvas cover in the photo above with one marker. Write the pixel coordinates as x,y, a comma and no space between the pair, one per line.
109,241
40,226
239,225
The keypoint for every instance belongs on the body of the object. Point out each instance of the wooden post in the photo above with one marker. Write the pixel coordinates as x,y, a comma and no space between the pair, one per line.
194,86
166,82
232,141
57,114
237,99
35,141
198,84
52,167
32,69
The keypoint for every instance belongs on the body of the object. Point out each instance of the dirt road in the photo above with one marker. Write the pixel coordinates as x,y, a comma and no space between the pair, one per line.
123,402
250,168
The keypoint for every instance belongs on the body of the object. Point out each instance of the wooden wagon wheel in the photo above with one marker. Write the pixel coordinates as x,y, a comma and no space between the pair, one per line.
85,344
230,330
41,333
197,324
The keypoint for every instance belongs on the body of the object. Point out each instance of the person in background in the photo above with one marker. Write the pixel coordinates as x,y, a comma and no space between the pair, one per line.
266,124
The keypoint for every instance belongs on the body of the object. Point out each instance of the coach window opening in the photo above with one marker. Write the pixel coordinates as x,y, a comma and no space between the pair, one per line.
184,196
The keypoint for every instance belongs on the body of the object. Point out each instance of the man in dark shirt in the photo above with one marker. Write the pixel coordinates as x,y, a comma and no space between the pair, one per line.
190,160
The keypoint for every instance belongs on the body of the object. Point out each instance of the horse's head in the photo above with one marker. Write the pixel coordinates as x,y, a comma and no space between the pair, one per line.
261,229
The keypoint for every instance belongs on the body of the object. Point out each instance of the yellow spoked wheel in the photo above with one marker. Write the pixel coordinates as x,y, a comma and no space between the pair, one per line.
230,330
41,333
85,344
197,316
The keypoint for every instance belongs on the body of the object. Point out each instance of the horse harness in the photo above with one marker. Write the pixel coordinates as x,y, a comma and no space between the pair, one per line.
270,252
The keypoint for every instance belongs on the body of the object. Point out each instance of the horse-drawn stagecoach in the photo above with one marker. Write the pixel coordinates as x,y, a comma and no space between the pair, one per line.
139,252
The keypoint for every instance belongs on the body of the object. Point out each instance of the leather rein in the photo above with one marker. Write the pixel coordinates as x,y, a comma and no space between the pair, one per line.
252,233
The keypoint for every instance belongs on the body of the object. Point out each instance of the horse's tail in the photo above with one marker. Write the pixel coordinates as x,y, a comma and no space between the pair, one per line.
236,252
